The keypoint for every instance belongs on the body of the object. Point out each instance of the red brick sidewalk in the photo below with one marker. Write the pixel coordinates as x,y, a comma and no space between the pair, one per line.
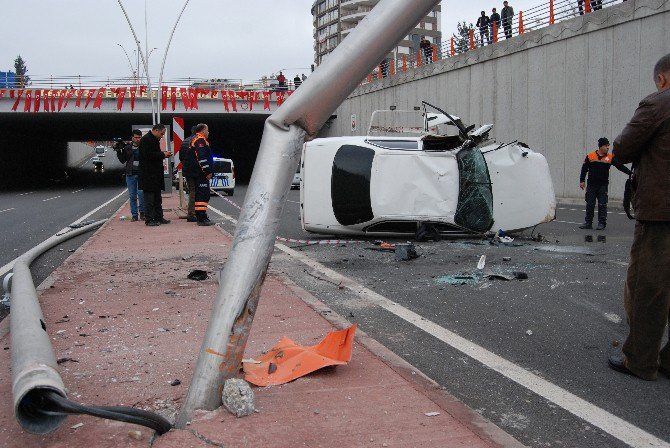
123,311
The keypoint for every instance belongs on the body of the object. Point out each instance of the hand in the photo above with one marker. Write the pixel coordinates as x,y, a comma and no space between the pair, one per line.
209,177
582,185
167,154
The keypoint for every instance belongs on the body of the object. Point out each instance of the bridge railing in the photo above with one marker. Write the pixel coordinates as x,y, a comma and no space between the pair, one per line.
540,16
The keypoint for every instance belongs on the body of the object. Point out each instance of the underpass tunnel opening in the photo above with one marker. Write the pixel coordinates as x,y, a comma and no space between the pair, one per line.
46,150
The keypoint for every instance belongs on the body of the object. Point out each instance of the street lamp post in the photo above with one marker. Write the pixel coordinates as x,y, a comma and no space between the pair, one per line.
132,69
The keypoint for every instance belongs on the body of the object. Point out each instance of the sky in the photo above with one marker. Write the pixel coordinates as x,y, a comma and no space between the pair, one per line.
214,39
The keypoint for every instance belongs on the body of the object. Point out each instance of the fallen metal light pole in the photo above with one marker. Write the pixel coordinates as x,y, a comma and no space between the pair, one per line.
33,359
303,115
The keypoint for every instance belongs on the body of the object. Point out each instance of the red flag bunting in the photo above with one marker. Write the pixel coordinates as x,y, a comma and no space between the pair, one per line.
11,94
38,98
164,90
120,97
2,92
280,98
224,98
173,97
89,97
143,90
233,100
98,98
80,92
53,101
70,93
184,98
45,97
193,96
27,105
61,97
266,100
133,92
18,98
212,94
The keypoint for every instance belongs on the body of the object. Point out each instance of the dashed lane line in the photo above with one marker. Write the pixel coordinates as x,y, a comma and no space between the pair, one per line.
609,423
55,197
7,210
8,267
23,194
77,191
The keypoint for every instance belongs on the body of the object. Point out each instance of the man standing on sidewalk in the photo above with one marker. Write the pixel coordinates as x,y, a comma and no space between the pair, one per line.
185,160
130,156
645,141
201,165
151,175
597,164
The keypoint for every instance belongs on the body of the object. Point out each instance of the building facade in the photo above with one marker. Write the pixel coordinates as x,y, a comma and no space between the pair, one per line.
334,19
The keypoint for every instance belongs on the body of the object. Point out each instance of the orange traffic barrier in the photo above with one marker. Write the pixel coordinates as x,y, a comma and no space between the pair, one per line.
392,68
380,74
551,12
587,6
418,58
404,63
287,361
472,39
495,32
434,52
452,49
520,22
369,78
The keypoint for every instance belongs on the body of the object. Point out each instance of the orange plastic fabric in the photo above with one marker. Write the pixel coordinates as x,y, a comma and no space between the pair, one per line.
288,361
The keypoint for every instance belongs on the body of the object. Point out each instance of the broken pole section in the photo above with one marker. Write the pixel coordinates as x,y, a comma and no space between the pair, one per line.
300,117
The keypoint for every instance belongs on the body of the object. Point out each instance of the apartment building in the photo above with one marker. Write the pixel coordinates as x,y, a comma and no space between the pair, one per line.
334,20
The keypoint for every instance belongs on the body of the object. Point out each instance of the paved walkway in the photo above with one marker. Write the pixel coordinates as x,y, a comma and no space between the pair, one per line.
129,323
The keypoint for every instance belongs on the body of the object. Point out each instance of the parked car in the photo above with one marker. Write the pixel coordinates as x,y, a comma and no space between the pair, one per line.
427,169
297,178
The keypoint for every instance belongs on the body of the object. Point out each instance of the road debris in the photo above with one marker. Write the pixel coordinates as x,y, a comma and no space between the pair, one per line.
287,361
529,332
238,397
405,252
175,382
482,262
197,274
77,426
431,414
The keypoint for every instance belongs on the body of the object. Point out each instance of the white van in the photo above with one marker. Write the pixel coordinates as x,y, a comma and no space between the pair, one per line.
223,176
100,150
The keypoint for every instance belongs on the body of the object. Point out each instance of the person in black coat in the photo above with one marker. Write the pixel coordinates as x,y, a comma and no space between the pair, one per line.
151,175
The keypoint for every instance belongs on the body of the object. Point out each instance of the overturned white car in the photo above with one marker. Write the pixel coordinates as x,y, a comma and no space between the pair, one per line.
422,167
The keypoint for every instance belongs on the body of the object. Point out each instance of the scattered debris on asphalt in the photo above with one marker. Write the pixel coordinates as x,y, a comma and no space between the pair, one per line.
238,397
64,360
482,262
197,274
77,426
287,361
529,332
405,252
431,414
175,382
137,435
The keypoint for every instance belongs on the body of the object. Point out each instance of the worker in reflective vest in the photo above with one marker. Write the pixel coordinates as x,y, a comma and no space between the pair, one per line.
597,165
200,168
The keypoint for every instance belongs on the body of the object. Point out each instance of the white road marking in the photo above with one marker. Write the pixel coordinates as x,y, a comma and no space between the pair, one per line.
567,222
584,211
23,194
77,191
610,423
6,210
8,267
55,197
294,202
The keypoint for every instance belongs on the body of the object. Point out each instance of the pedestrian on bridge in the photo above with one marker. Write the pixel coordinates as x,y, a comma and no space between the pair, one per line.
483,23
507,19
130,156
297,81
597,165
200,167
151,178
645,141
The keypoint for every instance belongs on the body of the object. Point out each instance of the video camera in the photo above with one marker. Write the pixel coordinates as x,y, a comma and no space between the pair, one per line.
119,144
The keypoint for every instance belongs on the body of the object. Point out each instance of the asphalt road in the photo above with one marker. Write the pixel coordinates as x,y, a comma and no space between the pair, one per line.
533,354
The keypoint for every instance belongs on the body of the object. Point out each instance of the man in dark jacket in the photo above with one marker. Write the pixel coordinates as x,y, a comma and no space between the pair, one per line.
645,141
494,19
507,19
130,157
200,166
151,175
483,25
185,160
597,165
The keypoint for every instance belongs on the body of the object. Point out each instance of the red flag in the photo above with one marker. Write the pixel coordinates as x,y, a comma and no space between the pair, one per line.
164,90
2,92
89,97
120,97
11,94
193,96
53,101
28,102
68,95
280,98
224,98
233,100
80,92
61,97
173,97
45,96
266,100
133,92
212,94
184,98
38,98
18,98
143,90
98,98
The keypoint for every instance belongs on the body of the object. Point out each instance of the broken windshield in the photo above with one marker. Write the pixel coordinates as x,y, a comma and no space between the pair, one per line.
475,198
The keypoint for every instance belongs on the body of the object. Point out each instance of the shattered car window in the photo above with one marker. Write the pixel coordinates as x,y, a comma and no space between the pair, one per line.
475,198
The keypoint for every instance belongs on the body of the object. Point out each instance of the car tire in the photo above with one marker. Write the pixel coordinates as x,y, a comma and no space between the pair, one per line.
230,192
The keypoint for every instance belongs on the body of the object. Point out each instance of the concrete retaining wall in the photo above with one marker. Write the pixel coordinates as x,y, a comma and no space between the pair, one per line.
78,153
558,89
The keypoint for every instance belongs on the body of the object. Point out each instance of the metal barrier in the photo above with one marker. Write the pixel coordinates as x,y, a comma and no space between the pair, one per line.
534,18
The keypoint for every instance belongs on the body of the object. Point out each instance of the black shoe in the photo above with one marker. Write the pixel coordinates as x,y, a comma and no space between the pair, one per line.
142,216
164,221
206,222
601,226
618,363
664,371
153,223
586,225
133,219
191,218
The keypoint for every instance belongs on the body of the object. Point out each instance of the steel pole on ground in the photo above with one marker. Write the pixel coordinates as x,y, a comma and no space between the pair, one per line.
167,47
301,116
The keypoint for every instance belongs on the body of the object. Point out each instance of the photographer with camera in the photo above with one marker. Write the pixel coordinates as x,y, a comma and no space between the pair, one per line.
128,153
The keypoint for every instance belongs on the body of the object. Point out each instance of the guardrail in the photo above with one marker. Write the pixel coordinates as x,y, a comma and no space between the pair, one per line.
540,16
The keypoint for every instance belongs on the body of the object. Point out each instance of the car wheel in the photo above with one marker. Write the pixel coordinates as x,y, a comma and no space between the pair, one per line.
230,192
